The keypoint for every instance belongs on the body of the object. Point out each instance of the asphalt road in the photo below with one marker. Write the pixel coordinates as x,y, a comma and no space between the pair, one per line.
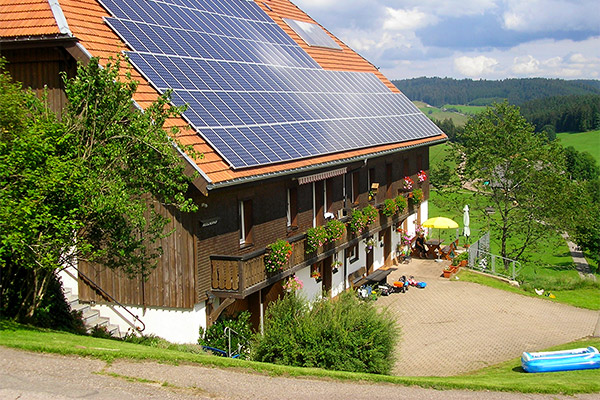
33,376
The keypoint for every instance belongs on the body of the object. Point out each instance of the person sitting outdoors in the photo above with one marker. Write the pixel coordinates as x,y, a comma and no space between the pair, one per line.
420,245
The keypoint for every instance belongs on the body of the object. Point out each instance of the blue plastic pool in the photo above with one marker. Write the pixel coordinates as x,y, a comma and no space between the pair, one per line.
565,360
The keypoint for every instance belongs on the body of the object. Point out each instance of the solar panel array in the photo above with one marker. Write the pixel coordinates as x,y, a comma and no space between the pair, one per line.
253,93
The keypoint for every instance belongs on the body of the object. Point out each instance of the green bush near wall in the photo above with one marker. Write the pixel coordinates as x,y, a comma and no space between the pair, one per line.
345,334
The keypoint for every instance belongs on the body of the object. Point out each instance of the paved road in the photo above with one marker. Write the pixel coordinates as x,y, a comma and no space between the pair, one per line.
32,376
452,327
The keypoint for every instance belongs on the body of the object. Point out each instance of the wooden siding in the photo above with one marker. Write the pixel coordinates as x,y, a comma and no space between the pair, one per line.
171,285
39,69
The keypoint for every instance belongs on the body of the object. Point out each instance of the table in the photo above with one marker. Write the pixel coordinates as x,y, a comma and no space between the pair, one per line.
433,246
379,276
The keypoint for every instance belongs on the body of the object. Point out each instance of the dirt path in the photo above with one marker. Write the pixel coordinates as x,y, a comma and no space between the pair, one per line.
32,376
451,327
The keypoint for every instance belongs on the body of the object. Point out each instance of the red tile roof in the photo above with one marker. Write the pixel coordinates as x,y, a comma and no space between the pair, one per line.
84,18
27,18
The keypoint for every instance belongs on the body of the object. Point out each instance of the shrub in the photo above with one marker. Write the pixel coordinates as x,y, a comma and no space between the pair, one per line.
215,336
315,238
389,207
335,230
345,335
370,214
278,255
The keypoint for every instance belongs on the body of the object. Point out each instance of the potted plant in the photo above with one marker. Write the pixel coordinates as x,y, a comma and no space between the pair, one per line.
401,203
278,255
369,243
336,266
370,214
461,260
335,230
357,222
315,238
316,275
422,176
417,196
389,207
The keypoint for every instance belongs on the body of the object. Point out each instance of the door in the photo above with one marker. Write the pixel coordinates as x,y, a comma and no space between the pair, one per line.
327,276
369,260
387,246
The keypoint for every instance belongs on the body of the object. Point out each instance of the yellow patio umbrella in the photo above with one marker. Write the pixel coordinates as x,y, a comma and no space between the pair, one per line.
440,223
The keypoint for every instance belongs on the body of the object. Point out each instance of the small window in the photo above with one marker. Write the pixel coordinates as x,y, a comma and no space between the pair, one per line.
352,253
355,187
245,222
292,207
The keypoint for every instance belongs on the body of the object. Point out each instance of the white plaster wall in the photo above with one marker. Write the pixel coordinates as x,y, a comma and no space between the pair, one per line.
337,281
311,290
68,281
174,325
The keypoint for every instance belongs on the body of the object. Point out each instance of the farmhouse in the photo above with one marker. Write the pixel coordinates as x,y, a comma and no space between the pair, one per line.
296,130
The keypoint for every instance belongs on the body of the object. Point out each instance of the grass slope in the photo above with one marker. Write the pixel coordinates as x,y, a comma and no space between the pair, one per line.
584,141
436,113
503,377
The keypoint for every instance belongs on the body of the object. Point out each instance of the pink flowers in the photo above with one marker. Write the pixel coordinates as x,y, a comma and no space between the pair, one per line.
422,176
408,183
292,284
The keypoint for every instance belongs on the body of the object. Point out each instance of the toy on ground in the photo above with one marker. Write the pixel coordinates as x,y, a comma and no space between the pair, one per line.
565,360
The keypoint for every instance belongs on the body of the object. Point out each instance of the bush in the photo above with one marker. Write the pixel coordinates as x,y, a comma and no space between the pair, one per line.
215,336
346,335
401,203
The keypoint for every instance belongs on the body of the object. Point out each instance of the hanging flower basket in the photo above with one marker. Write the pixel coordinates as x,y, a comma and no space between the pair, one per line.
408,183
422,176
370,214
335,230
315,238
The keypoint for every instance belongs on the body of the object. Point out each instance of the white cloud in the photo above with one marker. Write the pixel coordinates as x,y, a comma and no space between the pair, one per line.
475,67
406,20
525,65
551,15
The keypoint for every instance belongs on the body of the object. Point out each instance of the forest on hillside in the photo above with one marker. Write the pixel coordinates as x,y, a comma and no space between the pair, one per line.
564,113
440,91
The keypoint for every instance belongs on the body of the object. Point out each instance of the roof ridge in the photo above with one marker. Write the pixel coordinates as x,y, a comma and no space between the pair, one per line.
59,16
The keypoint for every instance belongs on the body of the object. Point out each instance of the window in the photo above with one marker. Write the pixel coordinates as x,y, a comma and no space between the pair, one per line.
388,179
352,253
355,187
245,222
292,207
318,201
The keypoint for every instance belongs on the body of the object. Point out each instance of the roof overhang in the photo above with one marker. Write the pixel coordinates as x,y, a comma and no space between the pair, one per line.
330,164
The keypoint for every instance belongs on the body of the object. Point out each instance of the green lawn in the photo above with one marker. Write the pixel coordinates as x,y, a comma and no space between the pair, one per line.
548,265
436,113
468,110
584,141
507,376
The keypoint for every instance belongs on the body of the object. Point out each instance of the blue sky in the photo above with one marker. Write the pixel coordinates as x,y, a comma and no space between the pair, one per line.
479,39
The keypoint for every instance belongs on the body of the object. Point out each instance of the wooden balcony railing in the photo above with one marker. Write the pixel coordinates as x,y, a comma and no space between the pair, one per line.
239,276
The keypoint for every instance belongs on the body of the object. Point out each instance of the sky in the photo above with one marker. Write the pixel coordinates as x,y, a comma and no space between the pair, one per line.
478,39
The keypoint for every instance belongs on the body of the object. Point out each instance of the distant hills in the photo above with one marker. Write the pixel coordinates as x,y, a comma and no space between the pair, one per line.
440,91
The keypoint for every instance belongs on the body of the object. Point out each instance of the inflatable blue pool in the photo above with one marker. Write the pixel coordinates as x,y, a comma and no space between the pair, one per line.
565,360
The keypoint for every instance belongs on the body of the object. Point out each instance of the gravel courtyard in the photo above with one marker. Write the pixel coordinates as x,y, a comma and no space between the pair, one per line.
452,327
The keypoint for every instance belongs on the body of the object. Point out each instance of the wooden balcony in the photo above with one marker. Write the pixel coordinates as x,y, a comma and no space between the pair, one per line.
239,276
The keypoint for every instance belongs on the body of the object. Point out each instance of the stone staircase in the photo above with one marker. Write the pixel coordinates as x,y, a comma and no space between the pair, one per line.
91,317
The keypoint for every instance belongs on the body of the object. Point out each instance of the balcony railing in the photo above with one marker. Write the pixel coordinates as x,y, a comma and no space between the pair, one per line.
239,276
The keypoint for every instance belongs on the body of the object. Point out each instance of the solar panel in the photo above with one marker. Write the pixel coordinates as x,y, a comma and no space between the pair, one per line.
252,92
312,34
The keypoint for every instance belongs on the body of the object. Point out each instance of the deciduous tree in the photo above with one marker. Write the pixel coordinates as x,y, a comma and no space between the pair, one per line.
83,186
519,171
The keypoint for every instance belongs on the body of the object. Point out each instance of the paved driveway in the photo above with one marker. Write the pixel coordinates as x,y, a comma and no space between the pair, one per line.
451,327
